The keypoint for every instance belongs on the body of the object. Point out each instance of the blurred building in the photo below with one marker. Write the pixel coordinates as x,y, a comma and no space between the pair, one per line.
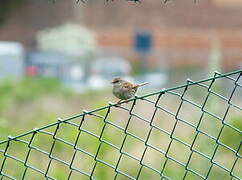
183,32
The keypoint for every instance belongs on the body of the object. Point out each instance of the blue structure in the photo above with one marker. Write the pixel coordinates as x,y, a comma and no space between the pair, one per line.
142,42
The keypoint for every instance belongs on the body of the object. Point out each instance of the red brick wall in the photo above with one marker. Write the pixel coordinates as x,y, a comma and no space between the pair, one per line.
180,47
24,22
154,14
177,25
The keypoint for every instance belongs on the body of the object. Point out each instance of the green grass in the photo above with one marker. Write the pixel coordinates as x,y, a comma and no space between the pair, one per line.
33,103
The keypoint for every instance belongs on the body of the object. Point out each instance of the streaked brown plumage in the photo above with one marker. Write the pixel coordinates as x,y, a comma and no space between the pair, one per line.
124,90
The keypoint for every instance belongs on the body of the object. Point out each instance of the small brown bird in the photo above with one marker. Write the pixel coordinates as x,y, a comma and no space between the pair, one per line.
124,90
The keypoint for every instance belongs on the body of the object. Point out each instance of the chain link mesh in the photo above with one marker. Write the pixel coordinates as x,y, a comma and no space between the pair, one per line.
186,132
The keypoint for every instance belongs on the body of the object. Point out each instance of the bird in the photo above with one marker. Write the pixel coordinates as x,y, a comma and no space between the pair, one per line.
123,89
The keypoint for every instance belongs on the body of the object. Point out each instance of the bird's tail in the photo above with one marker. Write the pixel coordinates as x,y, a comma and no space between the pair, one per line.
142,84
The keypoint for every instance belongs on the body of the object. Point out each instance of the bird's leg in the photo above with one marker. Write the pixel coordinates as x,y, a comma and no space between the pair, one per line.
119,102
126,101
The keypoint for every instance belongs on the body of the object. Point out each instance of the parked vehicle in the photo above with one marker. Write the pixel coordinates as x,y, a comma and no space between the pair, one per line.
57,65
105,68
157,80
11,60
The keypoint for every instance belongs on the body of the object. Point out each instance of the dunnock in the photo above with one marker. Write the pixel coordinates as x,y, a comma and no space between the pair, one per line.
124,90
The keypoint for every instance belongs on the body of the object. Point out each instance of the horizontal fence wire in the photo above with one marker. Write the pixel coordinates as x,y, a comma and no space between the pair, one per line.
192,131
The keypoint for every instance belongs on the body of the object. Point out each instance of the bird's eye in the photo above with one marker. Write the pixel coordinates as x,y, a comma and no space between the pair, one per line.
116,80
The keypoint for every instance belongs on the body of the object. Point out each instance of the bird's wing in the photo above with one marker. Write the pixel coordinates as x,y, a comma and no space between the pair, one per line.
127,85
135,86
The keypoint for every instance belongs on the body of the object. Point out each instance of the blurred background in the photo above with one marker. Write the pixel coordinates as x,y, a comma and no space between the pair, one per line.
58,57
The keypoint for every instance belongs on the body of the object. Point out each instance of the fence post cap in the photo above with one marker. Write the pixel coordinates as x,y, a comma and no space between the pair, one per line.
10,137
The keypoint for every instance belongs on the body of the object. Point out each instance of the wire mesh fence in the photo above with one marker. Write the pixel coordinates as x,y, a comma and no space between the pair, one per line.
192,131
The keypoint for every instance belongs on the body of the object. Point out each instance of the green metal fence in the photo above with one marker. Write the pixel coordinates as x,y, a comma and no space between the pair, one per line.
192,131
